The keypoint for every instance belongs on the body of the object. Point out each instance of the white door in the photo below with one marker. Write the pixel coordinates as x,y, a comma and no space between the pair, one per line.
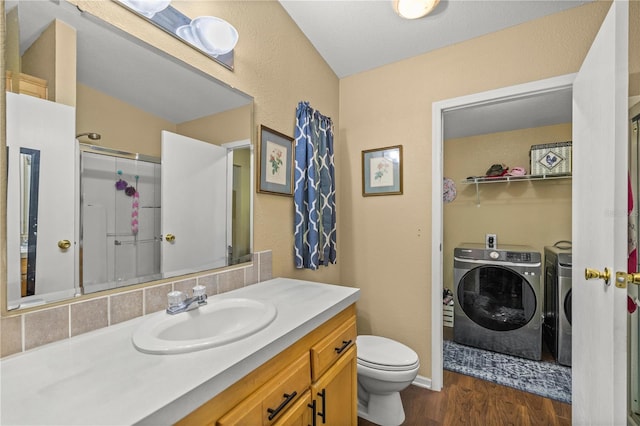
600,129
194,203
48,127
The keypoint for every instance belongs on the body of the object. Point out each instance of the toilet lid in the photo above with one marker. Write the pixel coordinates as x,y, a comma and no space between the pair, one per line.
385,354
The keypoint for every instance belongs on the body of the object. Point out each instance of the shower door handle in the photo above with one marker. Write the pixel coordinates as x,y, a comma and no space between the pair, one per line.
170,238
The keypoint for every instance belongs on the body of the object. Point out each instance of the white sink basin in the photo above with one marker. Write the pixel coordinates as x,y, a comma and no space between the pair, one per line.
218,323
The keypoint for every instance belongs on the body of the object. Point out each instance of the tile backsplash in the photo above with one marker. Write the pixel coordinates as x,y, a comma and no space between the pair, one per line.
30,330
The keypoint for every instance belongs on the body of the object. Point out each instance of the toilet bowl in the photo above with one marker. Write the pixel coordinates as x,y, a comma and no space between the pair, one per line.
385,367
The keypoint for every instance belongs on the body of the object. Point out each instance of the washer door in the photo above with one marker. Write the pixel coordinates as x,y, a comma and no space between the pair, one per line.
497,298
567,306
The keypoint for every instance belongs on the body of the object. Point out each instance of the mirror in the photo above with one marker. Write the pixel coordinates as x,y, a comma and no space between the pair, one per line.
128,93
29,183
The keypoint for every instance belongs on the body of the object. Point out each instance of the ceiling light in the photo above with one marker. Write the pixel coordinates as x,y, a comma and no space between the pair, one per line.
413,9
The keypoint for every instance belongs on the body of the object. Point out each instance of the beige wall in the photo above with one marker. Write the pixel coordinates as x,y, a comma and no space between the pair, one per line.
533,213
122,126
228,126
386,241
53,57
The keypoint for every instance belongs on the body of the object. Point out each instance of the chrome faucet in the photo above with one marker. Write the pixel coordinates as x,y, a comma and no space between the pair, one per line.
178,302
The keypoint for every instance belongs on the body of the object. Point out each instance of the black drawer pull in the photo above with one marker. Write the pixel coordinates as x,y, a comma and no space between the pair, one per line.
323,413
345,343
313,412
287,399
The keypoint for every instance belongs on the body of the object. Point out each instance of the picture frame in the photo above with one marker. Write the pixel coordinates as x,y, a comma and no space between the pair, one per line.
275,167
382,171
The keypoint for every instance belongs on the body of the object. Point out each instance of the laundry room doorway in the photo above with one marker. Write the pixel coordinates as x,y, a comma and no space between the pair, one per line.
600,104
467,129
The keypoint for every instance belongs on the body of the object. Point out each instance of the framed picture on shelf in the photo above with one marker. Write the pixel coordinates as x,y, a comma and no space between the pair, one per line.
382,171
275,168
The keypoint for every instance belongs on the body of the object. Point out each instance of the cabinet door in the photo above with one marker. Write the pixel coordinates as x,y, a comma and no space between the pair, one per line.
299,414
335,393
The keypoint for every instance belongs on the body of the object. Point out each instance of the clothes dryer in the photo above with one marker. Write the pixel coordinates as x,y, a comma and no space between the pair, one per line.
557,303
499,295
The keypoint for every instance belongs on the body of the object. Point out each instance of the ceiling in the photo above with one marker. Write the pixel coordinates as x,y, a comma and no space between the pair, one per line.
357,36
352,36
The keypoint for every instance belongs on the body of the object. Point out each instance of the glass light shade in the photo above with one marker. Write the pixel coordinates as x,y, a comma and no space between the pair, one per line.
413,9
210,34
147,8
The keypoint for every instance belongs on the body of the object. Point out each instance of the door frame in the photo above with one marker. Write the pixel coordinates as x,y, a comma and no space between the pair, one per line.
552,84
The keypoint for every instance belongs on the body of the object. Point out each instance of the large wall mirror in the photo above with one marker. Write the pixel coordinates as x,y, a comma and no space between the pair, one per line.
125,165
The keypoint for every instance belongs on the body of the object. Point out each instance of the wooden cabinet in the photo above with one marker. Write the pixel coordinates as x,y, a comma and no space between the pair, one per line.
335,392
271,400
27,85
315,378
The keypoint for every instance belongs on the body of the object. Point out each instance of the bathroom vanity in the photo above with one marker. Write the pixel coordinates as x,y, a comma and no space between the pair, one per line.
301,365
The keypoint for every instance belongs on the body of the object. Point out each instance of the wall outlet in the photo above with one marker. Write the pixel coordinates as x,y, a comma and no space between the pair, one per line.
491,241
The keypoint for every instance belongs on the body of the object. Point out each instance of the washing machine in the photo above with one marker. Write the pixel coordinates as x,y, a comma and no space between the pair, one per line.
556,329
499,297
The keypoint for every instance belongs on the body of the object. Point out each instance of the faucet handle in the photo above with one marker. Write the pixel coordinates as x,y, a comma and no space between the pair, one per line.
199,291
175,298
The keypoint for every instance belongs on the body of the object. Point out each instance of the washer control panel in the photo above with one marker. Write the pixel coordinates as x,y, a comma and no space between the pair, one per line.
518,257
506,254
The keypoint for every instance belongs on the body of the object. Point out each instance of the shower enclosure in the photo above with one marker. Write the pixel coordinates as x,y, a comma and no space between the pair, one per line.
120,218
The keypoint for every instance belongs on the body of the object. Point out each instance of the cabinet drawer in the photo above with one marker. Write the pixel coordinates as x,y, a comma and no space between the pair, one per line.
285,389
254,410
329,349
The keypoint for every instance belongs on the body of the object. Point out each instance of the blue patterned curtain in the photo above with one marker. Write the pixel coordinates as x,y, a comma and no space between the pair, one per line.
314,193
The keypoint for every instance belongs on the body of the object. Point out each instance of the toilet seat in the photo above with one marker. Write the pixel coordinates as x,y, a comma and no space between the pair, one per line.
384,354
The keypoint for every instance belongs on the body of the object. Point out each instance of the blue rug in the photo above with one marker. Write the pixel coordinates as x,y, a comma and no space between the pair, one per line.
541,378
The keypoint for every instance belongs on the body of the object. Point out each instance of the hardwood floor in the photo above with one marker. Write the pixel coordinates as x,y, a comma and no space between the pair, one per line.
465,400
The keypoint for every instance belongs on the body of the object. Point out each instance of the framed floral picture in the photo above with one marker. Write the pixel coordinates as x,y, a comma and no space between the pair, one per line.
382,171
275,168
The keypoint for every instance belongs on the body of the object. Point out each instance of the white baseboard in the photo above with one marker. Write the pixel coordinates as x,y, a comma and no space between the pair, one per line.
423,382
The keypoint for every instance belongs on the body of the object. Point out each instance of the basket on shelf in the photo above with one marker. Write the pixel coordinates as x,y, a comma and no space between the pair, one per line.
551,158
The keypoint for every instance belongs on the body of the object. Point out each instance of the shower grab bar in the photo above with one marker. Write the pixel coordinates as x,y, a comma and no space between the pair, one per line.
150,240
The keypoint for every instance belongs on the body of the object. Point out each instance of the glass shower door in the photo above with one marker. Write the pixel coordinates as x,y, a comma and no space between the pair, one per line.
120,211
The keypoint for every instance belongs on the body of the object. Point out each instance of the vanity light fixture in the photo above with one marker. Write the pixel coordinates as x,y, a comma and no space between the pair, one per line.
414,9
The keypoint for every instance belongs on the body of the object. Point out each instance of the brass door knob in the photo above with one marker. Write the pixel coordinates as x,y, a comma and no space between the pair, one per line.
594,274
64,244
170,238
623,279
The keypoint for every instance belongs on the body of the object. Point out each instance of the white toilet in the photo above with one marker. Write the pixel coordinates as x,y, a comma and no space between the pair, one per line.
385,367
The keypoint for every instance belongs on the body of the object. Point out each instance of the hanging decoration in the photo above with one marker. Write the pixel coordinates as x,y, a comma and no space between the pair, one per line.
130,191
134,209
448,190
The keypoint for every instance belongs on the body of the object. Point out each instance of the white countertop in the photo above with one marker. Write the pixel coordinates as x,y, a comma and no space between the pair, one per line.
99,378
